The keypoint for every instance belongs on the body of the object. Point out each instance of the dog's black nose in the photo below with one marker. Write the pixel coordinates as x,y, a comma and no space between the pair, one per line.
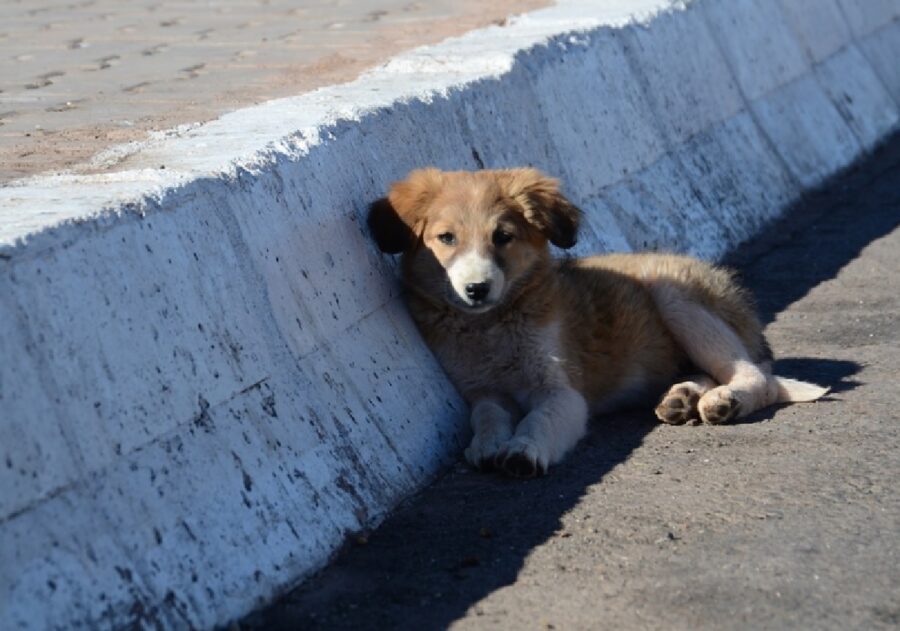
478,291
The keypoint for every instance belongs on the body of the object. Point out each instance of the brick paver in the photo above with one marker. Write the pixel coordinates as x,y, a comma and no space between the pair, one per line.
76,77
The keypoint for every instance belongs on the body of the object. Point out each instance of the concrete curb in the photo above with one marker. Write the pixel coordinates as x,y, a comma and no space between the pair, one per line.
214,377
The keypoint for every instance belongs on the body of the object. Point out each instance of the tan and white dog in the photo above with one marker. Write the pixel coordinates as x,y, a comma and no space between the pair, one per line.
536,345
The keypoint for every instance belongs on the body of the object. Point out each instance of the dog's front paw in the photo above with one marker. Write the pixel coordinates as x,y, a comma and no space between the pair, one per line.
522,458
719,405
484,449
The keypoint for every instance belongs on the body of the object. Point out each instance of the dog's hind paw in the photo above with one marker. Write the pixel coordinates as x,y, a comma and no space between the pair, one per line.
522,458
679,404
719,405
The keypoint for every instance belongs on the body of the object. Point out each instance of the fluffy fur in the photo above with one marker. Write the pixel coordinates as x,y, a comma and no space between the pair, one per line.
536,344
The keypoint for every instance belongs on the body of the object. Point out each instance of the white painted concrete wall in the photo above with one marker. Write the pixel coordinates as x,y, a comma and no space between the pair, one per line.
207,376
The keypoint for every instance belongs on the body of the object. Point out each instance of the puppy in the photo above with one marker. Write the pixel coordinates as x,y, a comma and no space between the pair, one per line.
536,345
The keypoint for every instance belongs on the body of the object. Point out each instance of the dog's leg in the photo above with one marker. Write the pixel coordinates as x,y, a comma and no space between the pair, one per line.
557,421
679,404
716,349
493,420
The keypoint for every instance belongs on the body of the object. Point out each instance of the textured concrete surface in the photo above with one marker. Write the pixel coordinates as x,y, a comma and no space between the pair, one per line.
215,382
78,77
789,520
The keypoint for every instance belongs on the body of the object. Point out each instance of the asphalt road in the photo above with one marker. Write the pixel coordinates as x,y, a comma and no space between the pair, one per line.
788,520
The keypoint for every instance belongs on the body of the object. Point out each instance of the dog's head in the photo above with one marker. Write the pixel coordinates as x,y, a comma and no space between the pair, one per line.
469,237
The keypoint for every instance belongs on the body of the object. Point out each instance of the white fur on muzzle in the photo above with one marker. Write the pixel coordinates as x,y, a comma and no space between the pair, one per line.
473,268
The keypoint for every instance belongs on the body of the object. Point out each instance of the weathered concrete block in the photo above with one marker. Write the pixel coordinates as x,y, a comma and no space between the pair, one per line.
806,130
613,133
882,49
866,16
858,95
819,25
757,43
677,79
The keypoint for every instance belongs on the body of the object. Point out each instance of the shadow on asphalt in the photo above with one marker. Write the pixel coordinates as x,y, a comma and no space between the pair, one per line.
834,373
446,549
469,534
787,249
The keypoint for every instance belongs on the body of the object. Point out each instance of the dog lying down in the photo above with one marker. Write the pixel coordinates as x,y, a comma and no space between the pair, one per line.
536,345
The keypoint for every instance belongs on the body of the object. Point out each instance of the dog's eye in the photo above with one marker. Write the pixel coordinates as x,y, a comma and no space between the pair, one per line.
447,238
501,237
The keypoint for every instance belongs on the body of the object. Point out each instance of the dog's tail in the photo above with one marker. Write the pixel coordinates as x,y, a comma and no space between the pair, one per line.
794,391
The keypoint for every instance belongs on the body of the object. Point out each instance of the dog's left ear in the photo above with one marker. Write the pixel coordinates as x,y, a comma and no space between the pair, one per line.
390,232
544,206
396,220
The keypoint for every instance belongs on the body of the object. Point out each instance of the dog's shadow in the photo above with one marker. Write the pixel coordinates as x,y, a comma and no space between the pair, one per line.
461,539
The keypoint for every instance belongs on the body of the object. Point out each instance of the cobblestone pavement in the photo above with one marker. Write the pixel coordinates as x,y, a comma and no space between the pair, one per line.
76,77
788,520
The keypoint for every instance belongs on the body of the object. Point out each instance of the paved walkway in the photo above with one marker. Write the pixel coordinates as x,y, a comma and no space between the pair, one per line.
78,76
789,520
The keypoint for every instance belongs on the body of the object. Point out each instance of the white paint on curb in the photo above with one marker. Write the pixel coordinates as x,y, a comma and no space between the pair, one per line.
213,377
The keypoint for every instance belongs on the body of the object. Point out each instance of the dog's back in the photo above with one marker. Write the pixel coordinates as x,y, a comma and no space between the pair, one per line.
713,287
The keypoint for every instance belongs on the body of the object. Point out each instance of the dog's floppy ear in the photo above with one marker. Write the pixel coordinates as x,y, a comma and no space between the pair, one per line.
390,233
544,206
395,220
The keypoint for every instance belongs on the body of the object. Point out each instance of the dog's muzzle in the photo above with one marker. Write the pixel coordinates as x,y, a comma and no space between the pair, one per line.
476,279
